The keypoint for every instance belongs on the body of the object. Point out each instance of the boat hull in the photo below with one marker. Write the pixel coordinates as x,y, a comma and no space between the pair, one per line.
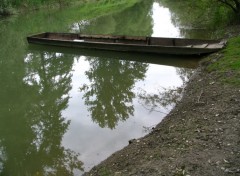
137,44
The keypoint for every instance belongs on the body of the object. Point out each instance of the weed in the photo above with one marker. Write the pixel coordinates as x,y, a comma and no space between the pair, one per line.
229,65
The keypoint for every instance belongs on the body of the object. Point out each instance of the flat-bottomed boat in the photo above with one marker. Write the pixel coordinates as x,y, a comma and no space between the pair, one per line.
157,45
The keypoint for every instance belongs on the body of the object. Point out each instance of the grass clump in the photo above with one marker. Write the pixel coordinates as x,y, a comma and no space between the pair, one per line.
104,172
229,64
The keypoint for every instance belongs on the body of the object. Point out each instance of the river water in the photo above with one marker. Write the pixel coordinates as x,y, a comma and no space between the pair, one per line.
62,111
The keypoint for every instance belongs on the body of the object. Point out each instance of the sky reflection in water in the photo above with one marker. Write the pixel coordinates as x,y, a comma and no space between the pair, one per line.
83,135
94,143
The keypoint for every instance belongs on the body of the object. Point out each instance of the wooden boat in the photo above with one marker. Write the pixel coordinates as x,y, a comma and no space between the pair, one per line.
175,46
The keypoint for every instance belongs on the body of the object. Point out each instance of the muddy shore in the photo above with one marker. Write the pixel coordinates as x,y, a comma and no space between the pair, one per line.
200,136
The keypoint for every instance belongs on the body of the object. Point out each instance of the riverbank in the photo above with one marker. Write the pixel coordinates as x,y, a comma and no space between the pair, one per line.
11,8
200,136
94,6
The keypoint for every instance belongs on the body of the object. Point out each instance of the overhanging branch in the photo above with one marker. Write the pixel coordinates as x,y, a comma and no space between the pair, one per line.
227,3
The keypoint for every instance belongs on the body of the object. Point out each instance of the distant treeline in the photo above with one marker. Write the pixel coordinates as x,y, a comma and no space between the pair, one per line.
8,7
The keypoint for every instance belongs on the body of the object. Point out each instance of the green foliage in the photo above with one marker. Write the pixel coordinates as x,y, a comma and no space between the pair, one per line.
229,65
94,9
233,7
104,172
202,13
6,7
127,22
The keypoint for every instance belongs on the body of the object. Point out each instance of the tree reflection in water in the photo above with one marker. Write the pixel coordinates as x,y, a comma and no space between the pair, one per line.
31,142
126,22
109,95
166,97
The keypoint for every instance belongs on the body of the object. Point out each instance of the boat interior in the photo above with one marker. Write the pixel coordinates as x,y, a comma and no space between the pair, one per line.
153,41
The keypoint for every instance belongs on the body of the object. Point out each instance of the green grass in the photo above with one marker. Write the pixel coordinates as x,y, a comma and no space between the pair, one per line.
93,7
228,66
104,172
105,7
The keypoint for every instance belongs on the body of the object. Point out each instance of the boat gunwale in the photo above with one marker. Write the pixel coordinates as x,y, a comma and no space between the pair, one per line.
126,44
43,38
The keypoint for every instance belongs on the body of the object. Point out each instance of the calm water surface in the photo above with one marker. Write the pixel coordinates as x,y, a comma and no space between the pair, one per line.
63,111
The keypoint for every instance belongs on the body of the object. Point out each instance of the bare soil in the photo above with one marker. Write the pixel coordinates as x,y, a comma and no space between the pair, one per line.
200,136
